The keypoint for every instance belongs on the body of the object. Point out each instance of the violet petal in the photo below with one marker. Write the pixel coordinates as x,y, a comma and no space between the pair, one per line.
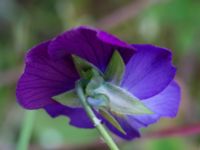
149,71
130,131
165,104
44,78
77,116
91,44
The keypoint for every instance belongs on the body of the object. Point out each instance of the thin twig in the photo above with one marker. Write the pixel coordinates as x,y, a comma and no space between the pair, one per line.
10,76
125,13
187,130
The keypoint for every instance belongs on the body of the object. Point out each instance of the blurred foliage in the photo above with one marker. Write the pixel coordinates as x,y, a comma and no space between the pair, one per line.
169,23
46,129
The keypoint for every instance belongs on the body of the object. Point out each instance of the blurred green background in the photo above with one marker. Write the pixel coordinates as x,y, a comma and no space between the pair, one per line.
174,24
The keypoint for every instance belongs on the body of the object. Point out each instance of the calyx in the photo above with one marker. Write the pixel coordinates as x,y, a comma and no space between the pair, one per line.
103,92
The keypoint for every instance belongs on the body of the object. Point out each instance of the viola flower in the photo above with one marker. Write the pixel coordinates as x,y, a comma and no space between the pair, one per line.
129,86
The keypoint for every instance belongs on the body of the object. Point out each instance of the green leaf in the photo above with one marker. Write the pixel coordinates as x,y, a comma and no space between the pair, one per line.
115,70
69,99
85,68
121,101
111,119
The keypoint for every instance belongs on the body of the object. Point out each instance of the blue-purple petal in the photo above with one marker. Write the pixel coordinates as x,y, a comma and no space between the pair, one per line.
165,104
131,132
149,71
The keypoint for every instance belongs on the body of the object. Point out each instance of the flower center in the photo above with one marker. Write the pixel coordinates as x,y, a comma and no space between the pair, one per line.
102,90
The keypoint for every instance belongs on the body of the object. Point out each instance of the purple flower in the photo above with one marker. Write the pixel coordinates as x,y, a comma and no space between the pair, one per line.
148,76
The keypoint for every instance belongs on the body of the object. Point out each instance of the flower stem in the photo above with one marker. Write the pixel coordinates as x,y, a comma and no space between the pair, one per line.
95,120
26,131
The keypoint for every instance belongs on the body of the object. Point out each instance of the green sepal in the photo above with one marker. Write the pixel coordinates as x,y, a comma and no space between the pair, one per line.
115,69
98,100
111,120
69,98
95,82
121,101
84,68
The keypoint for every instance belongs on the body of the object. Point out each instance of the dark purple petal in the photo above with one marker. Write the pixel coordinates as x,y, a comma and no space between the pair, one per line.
149,71
165,104
91,44
44,78
77,116
130,131
112,40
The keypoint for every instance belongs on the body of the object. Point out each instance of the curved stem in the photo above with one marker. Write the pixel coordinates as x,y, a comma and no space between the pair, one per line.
94,119
26,130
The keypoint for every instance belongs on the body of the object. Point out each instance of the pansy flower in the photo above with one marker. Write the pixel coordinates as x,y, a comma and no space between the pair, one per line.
128,86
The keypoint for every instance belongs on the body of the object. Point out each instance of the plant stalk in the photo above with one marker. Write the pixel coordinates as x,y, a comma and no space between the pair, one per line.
26,130
97,123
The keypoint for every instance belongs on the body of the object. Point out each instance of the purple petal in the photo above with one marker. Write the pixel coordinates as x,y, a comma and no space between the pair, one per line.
80,119
44,78
130,131
112,40
77,116
91,44
149,71
165,104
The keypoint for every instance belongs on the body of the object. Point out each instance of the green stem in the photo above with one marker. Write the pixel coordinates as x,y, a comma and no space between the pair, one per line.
95,120
26,131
